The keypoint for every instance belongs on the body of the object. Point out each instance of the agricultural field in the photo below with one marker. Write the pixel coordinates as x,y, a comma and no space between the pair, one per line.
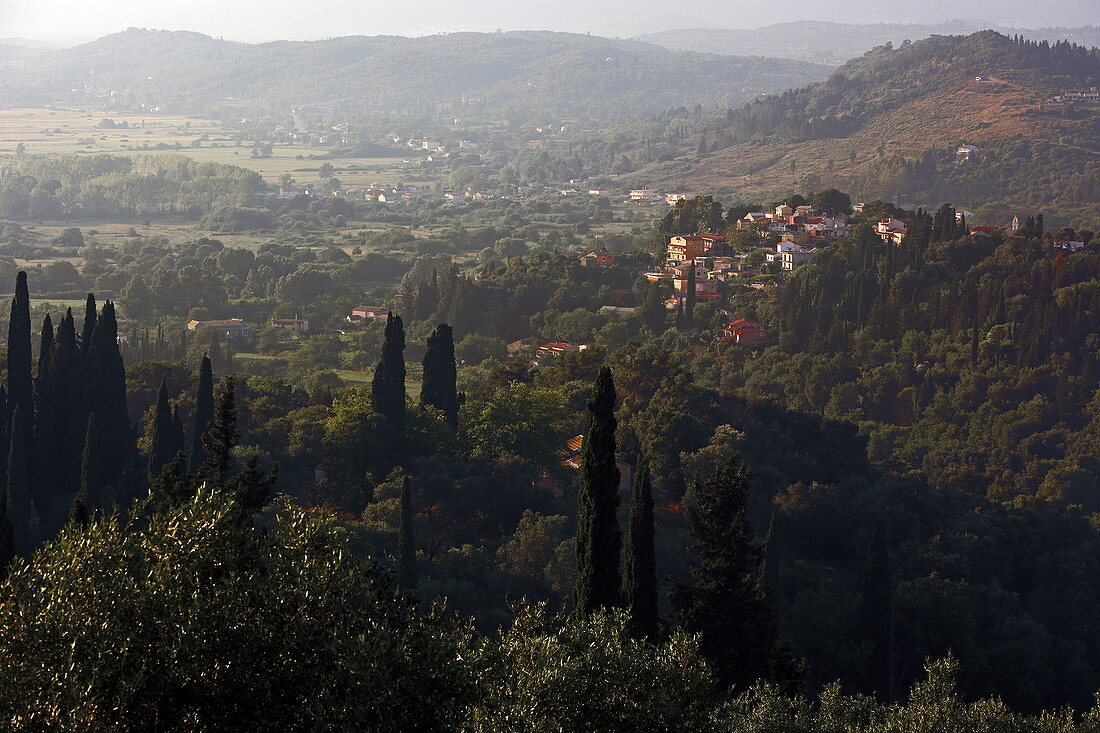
66,131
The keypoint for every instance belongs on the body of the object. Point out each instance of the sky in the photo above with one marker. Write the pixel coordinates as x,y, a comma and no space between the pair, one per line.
69,21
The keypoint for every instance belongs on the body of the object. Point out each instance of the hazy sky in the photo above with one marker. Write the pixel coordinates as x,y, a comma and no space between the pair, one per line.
261,20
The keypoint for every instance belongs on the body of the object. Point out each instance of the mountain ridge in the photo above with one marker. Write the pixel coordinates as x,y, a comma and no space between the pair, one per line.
836,43
887,124
543,72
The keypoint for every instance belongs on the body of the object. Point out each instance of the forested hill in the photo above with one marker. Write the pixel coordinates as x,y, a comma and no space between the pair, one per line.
828,42
519,74
887,125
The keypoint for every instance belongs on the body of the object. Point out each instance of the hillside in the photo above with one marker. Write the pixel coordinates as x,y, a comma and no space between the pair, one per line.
835,43
525,74
887,125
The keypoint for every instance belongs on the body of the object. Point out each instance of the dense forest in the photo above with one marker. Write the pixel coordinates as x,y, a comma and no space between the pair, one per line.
914,460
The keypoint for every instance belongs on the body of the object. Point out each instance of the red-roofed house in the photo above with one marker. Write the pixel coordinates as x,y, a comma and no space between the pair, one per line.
602,258
684,247
743,331
559,348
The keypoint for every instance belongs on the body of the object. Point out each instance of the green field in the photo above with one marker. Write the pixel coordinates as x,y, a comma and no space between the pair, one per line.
56,131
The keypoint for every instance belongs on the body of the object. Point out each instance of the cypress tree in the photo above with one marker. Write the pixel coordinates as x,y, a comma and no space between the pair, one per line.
724,603
164,446
7,534
68,418
598,585
106,390
20,384
47,473
876,610
90,318
19,487
178,444
388,383
252,488
204,412
640,559
91,467
45,348
439,388
5,432
406,571
222,437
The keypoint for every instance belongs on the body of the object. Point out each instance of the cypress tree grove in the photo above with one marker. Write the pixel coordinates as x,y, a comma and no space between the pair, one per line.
724,602
204,412
388,384
597,586
406,571
640,559
439,388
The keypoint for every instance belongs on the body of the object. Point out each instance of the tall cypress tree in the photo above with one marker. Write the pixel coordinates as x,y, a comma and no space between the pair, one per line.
598,585
406,571
47,474
724,602
439,387
640,559
388,383
7,534
91,467
20,383
106,392
876,610
204,412
66,414
163,446
5,434
222,437
45,348
90,318
178,441
19,486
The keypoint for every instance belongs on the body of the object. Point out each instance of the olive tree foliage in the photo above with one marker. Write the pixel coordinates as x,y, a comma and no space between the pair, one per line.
193,621
934,704
551,673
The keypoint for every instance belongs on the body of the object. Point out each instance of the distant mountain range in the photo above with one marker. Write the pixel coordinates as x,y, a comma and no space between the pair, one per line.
887,124
835,43
518,75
